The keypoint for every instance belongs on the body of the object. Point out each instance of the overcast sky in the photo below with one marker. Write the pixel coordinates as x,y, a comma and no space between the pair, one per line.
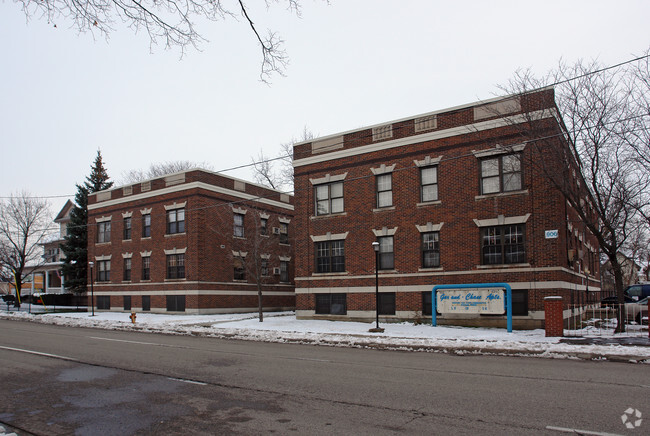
353,63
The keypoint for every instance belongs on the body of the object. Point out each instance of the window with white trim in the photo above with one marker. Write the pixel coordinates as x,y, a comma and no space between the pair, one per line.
384,190
103,270
104,232
175,221
428,184
238,225
329,198
146,225
386,252
330,256
176,266
501,174
503,244
430,249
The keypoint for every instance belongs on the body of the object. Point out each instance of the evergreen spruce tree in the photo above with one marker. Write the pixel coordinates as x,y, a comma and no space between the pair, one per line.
75,247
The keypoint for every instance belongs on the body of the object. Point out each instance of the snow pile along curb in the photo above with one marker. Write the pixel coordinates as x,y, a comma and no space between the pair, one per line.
284,328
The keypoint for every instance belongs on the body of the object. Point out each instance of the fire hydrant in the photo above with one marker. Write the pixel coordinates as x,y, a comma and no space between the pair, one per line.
132,317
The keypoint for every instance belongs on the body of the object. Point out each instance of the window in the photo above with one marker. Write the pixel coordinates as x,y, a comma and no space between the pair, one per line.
238,225
330,256
284,271
501,174
384,190
265,267
175,221
146,225
127,228
426,303
503,244
126,300
103,270
103,302
428,184
430,250
284,233
329,198
386,255
239,270
146,303
176,266
175,303
104,232
520,302
264,226
127,269
386,303
331,304
146,268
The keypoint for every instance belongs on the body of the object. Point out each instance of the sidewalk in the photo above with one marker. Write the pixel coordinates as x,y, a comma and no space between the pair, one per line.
285,328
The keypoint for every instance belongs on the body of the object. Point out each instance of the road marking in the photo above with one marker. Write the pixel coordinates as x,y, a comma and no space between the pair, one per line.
123,340
581,432
311,360
56,356
187,381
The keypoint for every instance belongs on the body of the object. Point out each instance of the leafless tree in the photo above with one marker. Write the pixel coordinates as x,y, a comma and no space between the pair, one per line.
161,169
24,222
277,172
598,173
254,247
172,23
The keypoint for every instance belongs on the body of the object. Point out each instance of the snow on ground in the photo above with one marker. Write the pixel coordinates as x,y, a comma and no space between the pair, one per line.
284,327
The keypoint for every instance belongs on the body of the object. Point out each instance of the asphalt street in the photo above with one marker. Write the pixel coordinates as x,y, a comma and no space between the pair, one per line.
63,380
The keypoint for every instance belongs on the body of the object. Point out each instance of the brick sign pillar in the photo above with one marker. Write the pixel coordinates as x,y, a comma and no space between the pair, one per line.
553,319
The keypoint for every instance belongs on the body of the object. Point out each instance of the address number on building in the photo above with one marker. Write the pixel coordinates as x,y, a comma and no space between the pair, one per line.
551,234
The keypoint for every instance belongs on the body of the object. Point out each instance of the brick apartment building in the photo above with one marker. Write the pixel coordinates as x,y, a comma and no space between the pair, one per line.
193,242
456,196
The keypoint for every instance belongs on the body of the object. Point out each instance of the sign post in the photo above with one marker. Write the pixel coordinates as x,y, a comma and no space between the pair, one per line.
486,298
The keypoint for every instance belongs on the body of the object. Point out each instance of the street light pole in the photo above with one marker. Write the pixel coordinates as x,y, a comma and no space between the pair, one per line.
92,290
377,329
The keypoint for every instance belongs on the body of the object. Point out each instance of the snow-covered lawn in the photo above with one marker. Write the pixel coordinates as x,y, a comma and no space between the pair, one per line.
284,327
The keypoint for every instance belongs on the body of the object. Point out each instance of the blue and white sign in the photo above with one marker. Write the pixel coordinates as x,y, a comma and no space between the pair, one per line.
479,300
551,234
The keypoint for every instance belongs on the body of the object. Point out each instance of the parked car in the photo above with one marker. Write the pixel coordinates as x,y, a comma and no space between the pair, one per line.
631,294
613,301
637,311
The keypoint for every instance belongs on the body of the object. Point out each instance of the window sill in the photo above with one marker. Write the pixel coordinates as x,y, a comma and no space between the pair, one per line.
382,209
240,280
126,240
126,281
169,235
286,244
504,265
428,203
436,268
100,244
387,271
145,281
176,280
264,236
331,215
239,237
145,237
331,274
501,194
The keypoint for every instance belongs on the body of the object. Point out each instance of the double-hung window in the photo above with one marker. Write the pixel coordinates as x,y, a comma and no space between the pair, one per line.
501,174
284,271
146,225
104,232
284,233
384,190
503,244
127,228
330,256
103,270
329,198
264,222
146,267
176,266
386,253
127,269
175,221
239,270
430,250
238,225
428,184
